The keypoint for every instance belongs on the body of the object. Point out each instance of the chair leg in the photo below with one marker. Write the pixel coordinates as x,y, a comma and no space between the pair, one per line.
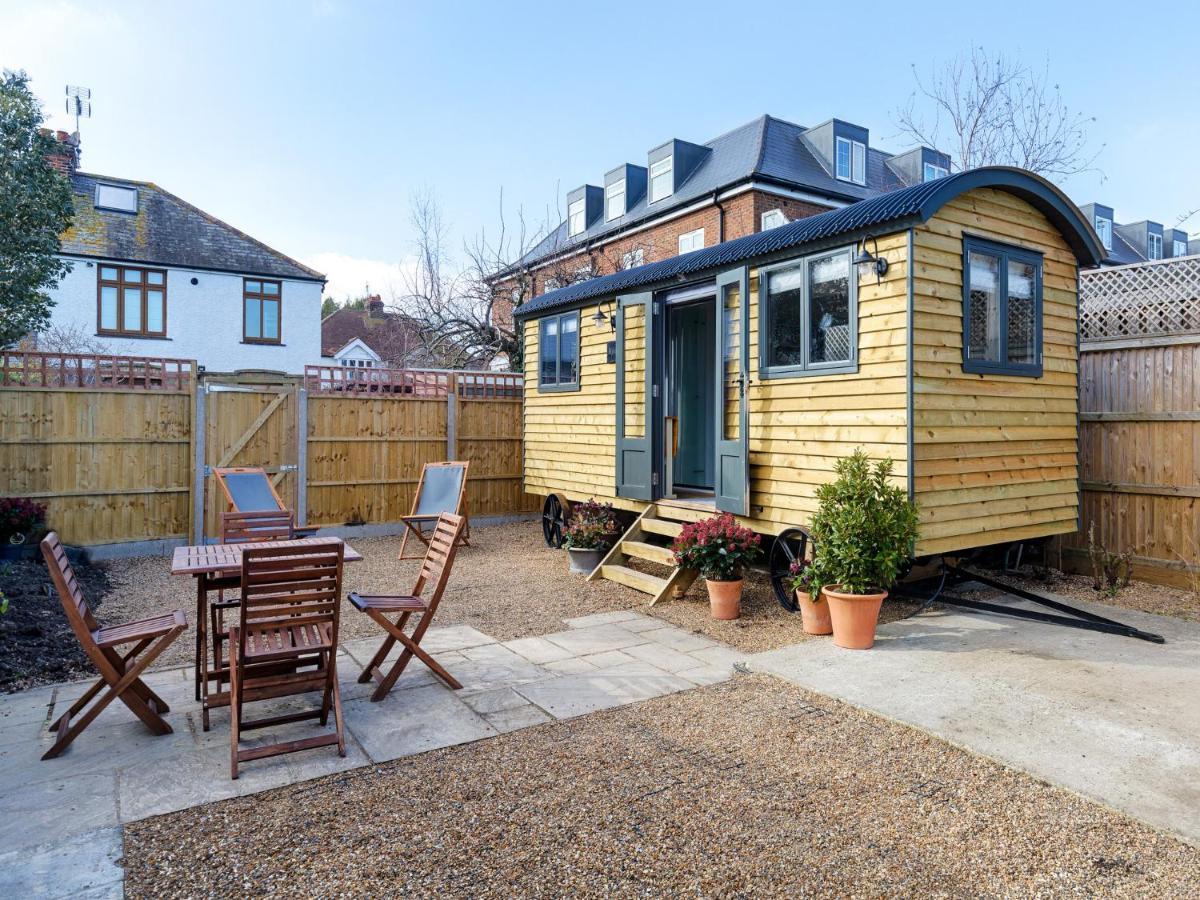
327,693
411,649
337,708
235,713
385,648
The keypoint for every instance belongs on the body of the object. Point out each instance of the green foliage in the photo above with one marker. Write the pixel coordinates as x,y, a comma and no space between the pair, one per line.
718,547
35,209
864,527
1111,572
3,603
593,526
328,306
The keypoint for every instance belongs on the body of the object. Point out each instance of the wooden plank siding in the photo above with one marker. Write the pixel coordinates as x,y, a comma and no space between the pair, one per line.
995,456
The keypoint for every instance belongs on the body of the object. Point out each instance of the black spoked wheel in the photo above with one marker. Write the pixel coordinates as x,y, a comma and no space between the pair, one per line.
554,521
790,545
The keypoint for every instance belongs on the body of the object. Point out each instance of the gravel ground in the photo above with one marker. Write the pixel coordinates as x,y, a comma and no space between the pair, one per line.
750,788
1139,595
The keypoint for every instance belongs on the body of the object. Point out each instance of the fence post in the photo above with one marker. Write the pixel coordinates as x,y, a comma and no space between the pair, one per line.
452,418
199,434
302,456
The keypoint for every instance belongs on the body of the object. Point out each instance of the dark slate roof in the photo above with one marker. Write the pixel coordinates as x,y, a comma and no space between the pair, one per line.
168,231
889,212
1122,252
767,148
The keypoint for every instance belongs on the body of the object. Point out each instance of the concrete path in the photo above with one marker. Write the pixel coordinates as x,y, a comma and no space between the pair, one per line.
60,820
1113,718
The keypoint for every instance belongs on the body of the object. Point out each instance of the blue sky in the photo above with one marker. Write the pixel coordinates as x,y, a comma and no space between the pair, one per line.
310,124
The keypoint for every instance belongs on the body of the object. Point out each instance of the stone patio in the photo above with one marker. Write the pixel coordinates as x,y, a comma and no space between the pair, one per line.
60,820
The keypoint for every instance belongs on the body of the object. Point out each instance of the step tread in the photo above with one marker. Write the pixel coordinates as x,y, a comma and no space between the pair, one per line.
661,526
639,581
684,513
649,552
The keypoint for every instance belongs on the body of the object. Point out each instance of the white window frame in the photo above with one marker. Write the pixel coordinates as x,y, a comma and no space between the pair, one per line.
583,273
612,192
664,166
577,210
772,218
1104,233
1154,246
932,172
634,258
690,239
1178,248
856,159
550,284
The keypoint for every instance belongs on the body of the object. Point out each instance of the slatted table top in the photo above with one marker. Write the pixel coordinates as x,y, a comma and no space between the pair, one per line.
209,559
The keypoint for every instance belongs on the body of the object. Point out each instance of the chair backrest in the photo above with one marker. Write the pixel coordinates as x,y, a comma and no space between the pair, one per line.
439,559
248,489
249,527
79,614
299,585
441,488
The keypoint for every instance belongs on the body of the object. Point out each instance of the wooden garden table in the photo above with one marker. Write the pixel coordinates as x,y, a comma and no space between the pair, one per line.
218,566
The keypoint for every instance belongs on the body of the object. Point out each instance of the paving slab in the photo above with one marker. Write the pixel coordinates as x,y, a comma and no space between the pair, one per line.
571,666
538,650
1113,718
595,639
505,720
575,695
604,618
33,813
678,639
663,657
413,721
85,865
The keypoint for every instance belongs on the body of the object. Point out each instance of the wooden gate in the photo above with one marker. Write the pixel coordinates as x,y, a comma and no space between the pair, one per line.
251,421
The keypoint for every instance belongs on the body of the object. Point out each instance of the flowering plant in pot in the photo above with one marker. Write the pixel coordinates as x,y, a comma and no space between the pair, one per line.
814,612
20,521
721,550
590,533
864,529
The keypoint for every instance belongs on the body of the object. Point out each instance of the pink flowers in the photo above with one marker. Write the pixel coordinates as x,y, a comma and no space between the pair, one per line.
719,547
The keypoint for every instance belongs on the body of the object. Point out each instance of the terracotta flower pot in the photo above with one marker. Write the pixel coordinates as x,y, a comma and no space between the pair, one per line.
725,598
814,614
854,617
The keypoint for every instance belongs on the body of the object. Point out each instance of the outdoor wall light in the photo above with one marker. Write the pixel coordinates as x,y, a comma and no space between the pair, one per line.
866,261
600,318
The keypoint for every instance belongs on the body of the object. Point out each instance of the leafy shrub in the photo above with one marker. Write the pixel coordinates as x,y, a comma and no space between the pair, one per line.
593,526
20,517
864,527
801,577
719,547
1110,571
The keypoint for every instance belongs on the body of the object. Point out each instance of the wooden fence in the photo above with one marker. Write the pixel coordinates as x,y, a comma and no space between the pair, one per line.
121,448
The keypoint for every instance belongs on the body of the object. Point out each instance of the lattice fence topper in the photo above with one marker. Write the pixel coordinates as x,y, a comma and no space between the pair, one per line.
1139,300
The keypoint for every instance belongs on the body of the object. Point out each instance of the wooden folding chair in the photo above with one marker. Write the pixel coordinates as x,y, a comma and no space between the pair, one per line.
435,572
442,488
120,674
250,489
285,643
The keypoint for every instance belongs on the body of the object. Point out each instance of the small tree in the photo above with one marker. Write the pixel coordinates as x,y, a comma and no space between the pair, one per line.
35,209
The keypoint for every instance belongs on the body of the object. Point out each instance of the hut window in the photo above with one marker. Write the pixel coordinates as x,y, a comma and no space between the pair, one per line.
810,317
558,353
1002,309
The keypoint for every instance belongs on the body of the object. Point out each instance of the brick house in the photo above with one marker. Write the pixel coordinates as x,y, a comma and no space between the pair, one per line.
372,338
688,196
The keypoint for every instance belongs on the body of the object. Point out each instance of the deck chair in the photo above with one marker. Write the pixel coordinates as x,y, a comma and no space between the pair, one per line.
249,489
120,674
285,643
441,489
426,595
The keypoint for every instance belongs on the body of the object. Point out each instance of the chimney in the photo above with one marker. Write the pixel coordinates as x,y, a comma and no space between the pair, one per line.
64,155
375,307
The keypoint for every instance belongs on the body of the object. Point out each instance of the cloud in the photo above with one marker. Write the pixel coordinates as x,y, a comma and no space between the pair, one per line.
352,276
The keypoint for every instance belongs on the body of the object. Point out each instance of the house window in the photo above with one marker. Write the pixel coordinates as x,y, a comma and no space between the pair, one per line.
693,240
773,219
131,302
583,273
1179,248
614,199
633,258
851,160
576,219
1154,246
1002,309
118,197
1104,230
660,179
933,172
550,284
260,311
558,352
810,318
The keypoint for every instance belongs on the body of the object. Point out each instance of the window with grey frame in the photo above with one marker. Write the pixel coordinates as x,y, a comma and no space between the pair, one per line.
809,319
1002,309
558,352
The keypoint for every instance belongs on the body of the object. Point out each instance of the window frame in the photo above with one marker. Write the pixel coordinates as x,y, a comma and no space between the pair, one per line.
1178,248
650,176
805,369
853,146
560,387
762,220
1151,237
1006,253
609,195
127,189
1106,235
582,204
690,234
633,258
121,285
938,171
260,295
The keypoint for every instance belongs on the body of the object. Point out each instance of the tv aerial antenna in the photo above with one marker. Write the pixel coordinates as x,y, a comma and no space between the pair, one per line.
79,103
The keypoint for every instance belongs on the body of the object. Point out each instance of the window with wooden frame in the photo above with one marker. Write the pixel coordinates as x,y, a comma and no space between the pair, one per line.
558,352
261,311
131,301
1002,309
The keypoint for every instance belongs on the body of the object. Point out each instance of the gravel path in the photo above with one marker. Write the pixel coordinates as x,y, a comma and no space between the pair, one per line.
1139,595
750,788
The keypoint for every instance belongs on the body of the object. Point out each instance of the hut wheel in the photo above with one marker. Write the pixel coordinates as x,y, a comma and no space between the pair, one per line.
554,521
790,545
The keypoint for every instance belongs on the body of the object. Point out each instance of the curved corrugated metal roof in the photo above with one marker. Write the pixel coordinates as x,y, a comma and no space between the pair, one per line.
897,209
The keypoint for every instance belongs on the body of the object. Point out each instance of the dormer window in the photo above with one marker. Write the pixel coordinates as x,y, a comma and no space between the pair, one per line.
117,197
1179,248
614,200
1153,246
934,172
773,219
851,160
576,217
661,175
1104,230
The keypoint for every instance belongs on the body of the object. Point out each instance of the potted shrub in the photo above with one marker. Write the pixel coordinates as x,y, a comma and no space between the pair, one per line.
863,530
590,534
21,524
720,550
814,611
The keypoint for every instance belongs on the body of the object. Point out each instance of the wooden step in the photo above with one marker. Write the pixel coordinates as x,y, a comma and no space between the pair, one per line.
683,513
639,581
660,526
649,552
